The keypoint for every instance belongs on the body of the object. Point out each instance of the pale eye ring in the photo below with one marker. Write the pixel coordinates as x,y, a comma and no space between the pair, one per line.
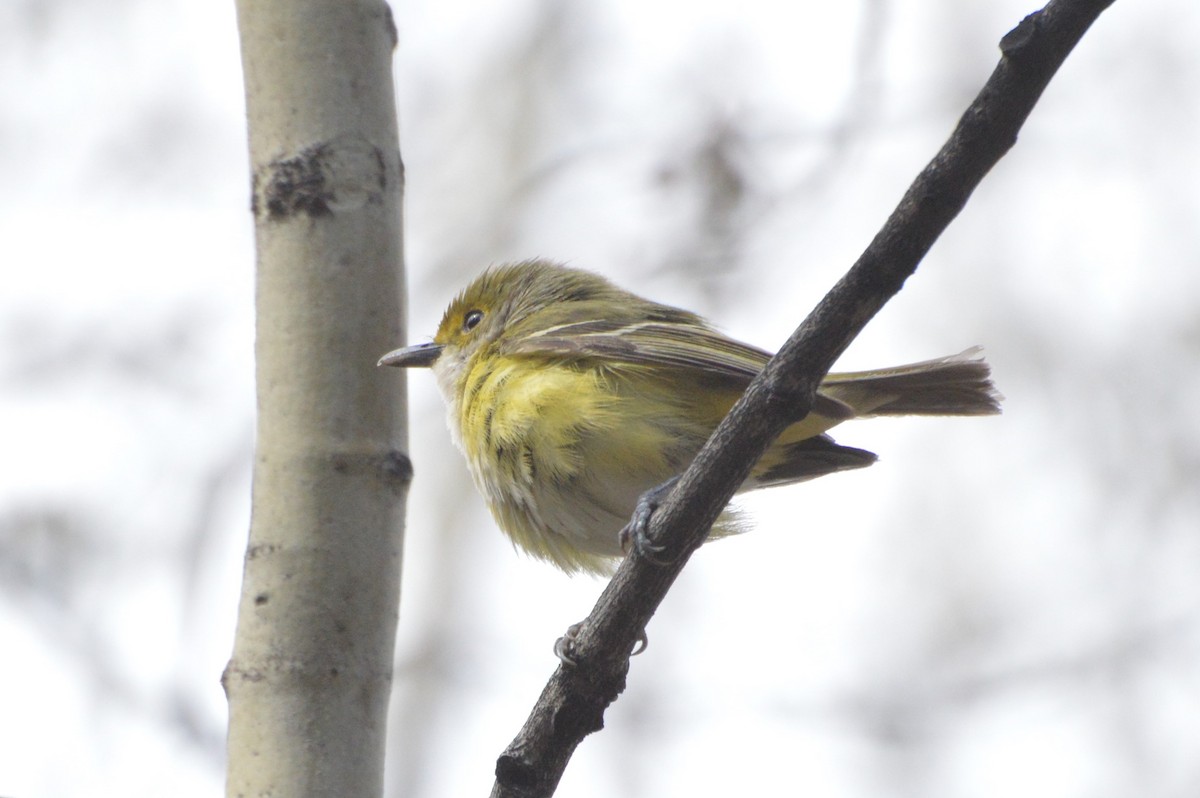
471,319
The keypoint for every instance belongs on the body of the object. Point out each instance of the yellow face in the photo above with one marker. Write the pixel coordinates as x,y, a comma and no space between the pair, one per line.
472,320
462,321
516,299
495,298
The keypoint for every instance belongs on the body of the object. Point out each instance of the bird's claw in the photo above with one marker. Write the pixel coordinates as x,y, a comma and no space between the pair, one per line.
563,645
635,533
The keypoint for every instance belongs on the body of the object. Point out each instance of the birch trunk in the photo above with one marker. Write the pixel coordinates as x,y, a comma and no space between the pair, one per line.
309,680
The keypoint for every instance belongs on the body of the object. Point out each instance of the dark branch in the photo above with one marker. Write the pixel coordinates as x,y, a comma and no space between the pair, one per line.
573,702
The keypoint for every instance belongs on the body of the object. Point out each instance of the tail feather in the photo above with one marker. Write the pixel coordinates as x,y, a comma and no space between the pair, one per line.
958,385
807,459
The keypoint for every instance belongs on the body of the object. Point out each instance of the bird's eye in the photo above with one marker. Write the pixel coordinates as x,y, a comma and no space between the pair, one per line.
472,319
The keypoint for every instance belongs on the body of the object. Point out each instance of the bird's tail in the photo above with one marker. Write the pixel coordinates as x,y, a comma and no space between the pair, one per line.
958,385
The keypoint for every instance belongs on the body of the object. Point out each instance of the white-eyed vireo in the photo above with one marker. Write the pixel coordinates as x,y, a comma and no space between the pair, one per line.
571,397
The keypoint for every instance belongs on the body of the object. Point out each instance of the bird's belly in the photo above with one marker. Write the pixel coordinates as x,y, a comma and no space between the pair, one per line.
561,458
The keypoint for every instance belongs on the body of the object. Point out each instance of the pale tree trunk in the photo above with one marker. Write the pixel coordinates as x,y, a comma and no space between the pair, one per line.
310,675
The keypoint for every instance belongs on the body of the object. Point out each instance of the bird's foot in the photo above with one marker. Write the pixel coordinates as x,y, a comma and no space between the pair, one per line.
635,534
564,644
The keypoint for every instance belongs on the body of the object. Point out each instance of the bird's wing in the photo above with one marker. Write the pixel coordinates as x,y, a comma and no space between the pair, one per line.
652,343
690,347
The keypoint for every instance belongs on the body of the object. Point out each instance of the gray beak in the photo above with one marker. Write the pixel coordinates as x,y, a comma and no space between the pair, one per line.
419,356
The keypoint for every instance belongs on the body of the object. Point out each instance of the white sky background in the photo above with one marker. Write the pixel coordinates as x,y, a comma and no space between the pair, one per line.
999,607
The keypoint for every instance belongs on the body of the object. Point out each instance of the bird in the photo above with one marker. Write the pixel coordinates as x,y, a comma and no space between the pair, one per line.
571,398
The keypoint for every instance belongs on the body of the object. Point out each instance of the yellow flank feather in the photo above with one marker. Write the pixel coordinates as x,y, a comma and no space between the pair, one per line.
571,397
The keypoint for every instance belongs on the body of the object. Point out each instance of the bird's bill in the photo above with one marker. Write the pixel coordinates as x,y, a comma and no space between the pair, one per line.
411,357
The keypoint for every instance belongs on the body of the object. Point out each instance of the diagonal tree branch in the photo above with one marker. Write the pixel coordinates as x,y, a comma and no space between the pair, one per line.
573,702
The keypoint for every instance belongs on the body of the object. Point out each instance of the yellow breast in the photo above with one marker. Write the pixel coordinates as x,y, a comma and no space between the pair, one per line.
561,451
